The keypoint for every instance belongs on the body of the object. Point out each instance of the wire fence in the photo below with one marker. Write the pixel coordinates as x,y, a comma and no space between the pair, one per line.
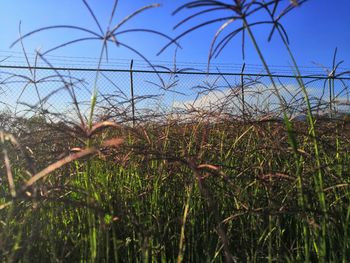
133,95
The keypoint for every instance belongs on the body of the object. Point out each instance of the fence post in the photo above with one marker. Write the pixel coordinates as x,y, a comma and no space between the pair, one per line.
132,93
332,107
242,87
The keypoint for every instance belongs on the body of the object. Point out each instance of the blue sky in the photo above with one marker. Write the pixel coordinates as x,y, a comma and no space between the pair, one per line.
315,30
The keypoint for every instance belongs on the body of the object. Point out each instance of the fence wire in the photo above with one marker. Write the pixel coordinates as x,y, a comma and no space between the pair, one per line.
125,95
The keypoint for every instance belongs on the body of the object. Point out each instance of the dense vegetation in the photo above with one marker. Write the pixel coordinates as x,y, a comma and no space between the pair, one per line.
226,186
205,189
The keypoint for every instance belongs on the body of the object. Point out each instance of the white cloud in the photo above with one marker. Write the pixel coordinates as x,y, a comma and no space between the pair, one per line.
260,99
257,98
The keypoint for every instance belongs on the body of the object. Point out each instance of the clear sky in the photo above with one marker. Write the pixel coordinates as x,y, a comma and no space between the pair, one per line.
315,30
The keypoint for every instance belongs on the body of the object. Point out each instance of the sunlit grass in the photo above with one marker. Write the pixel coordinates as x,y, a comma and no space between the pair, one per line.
210,189
157,192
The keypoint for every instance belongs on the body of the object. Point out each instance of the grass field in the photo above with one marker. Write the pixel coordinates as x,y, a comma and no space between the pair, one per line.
263,188
225,190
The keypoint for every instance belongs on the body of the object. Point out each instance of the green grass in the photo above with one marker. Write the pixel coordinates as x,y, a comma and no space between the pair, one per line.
160,199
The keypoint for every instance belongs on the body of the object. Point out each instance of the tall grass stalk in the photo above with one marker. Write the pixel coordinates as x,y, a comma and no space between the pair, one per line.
318,177
292,141
186,210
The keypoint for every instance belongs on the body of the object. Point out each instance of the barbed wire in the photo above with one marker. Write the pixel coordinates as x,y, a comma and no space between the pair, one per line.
152,71
14,58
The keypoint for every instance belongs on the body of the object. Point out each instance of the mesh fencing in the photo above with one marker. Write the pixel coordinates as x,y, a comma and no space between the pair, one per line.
124,95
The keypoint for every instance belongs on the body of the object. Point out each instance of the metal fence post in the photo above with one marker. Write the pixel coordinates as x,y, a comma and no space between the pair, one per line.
132,93
242,87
